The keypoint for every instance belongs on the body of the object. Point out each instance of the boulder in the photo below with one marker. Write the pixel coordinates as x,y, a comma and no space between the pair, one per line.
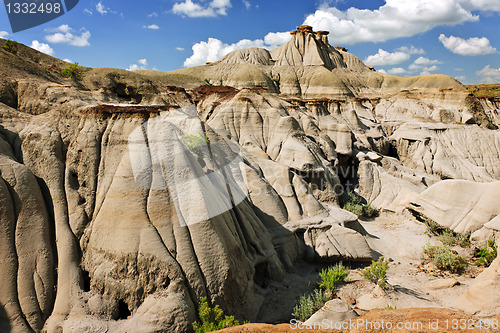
334,311
442,283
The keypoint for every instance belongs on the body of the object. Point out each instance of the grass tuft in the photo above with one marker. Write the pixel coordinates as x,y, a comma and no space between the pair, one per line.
309,304
332,276
212,318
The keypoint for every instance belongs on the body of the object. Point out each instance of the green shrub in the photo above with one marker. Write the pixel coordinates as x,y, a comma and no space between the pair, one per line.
445,235
10,46
445,259
433,228
352,198
353,203
72,70
353,208
331,276
451,238
309,304
195,142
212,319
377,272
487,254
370,211
207,81
390,307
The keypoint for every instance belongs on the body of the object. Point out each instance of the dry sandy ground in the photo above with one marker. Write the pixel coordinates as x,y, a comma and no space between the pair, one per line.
411,284
400,239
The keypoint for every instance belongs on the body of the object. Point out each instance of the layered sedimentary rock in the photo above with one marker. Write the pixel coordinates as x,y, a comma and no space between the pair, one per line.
449,151
463,206
127,197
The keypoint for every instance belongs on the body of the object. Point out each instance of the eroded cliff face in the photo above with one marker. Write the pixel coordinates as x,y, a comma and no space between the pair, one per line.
127,197
143,210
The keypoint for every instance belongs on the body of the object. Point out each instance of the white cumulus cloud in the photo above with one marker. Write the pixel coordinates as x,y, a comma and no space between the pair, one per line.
179,48
275,39
101,8
191,9
410,50
141,64
422,61
64,28
69,38
247,4
424,65
397,71
3,34
421,65
483,5
214,49
489,75
394,19
151,26
467,47
64,35
384,58
153,14
42,47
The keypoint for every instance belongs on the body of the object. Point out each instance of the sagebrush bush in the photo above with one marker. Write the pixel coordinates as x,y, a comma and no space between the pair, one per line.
445,235
212,319
445,259
451,238
433,228
72,70
332,276
309,304
487,254
377,272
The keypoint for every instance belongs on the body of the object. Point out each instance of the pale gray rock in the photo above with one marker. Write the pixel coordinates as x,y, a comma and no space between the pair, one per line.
334,311
128,196
482,297
463,206
442,283
450,151
383,190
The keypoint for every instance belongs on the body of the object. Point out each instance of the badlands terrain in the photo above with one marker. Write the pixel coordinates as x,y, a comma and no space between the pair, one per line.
127,197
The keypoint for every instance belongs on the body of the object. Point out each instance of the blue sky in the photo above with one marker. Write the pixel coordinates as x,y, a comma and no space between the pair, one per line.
459,38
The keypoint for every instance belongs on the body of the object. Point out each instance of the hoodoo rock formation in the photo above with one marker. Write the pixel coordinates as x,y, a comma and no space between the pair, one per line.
126,197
